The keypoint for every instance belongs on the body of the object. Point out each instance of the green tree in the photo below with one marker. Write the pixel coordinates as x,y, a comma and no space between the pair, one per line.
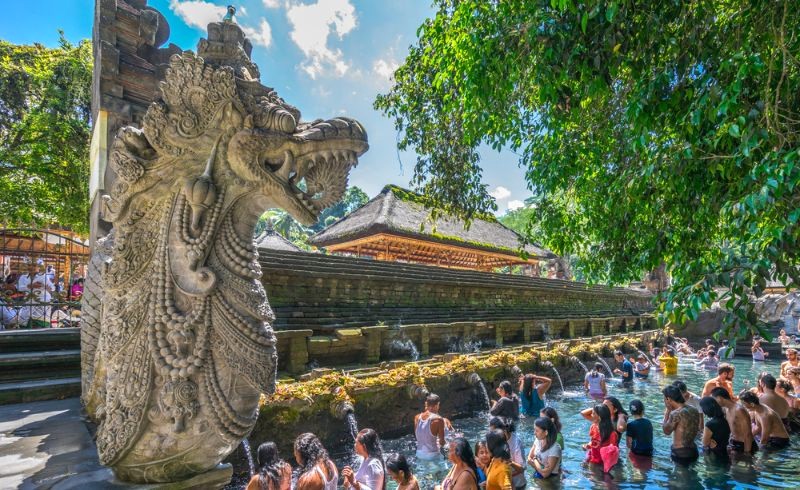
650,132
45,111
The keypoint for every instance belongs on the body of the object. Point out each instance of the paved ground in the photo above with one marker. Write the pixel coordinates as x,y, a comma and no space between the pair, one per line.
46,445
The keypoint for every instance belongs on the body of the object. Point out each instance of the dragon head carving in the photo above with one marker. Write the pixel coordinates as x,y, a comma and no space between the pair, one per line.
177,344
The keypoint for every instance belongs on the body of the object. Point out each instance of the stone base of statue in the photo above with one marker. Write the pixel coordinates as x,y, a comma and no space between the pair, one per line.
214,479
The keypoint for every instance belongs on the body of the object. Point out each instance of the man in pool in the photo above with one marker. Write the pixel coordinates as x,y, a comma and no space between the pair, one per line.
769,398
726,351
627,367
690,399
768,425
683,422
724,379
738,419
791,361
669,362
429,428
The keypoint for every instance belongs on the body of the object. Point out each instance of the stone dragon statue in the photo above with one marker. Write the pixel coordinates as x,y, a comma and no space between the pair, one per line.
177,345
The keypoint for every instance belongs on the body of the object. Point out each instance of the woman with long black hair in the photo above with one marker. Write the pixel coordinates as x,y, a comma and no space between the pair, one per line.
601,433
317,471
463,475
273,473
498,476
371,474
545,455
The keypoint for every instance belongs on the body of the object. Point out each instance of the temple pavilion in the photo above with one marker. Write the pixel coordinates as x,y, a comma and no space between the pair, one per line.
396,226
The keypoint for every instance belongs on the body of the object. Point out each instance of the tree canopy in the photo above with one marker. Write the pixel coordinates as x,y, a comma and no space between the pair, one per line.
45,129
650,132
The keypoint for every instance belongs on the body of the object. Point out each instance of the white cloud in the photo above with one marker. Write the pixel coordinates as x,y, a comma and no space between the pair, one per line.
262,35
385,68
271,4
515,204
312,25
241,11
197,13
500,192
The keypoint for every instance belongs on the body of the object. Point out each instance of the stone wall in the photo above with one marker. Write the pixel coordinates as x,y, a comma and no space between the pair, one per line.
324,293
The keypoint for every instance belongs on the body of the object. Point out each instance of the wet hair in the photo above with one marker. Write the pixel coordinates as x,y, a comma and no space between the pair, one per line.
670,351
597,367
637,407
709,342
768,380
397,462
785,384
794,370
497,444
605,425
478,446
720,392
680,385
711,351
656,351
617,406
552,414
464,452
372,443
527,385
725,342
503,423
269,465
673,393
545,423
506,387
432,399
791,351
618,353
748,396
311,451
725,368
710,407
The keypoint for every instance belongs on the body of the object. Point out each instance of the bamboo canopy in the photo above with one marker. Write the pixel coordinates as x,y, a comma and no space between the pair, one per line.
396,226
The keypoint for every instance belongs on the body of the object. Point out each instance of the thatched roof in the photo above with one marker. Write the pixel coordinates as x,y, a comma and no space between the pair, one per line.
398,211
273,240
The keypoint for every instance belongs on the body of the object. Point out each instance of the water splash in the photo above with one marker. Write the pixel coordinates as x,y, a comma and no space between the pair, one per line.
558,376
406,346
249,453
352,424
608,368
474,379
467,345
647,357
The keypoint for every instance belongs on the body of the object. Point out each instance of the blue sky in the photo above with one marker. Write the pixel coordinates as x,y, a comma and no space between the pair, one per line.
326,57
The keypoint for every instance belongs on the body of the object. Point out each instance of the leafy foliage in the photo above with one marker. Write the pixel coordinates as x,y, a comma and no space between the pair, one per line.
45,111
650,132
287,227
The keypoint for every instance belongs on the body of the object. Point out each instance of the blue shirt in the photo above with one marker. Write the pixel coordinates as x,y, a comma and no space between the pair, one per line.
641,433
627,367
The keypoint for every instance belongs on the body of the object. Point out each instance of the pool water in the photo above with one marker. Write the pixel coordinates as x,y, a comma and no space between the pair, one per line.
780,469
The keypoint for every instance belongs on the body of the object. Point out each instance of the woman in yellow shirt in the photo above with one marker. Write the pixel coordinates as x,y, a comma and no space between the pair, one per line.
669,362
498,475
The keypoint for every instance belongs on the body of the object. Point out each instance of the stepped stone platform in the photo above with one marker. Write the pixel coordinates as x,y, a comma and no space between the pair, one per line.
39,365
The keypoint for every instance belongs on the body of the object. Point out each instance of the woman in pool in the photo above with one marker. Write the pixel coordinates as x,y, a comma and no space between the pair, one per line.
619,417
482,459
595,382
498,476
717,431
601,433
552,414
514,447
532,389
273,473
545,455
317,471
758,351
400,472
371,474
464,473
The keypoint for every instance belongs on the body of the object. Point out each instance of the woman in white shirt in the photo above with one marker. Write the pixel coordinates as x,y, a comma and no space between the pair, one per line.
545,455
371,474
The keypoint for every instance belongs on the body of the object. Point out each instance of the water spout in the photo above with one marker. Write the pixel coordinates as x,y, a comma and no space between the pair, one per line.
646,357
579,363
417,392
558,376
249,453
474,379
610,373
406,346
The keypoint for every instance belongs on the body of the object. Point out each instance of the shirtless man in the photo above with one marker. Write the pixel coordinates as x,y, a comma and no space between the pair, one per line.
767,423
724,380
769,398
791,361
682,421
738,419
429,429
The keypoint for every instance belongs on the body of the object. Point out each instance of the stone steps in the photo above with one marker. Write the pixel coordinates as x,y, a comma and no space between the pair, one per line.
39,365
39,389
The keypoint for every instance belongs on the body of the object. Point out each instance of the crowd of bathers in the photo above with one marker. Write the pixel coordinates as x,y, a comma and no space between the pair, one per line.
717,421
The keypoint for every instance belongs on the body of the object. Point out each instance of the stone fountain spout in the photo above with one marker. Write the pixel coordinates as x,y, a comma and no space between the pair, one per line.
177,343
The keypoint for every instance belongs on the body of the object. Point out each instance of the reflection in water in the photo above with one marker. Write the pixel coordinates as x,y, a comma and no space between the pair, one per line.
765,470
